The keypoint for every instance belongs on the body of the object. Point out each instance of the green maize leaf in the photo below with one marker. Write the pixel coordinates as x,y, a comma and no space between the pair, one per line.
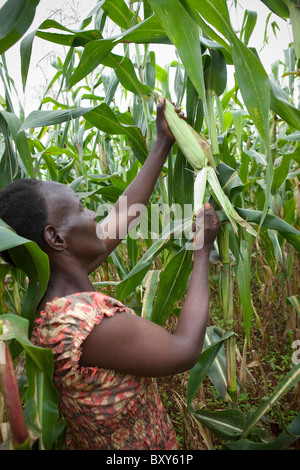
194,107
229,180
85,35
137,274
8,163
39,362
243,276
215,12
172,285
119,263
215,73
25,54
41,404
53,150
273,236
16,17
218,41
281,105
14,124
93,54
293,137
289,381
16,327
110,193
28,257
285,439
93,13
227,424
278,7
217,371
249,22
105,119
151,283
281,171
48,118
118,12
125,72
184,34
110,87
133,251
75,38
9,238
273,222
237,118
295,301
183,180
34,262
295,20
255,88
203,365
71,40
148,31
225,204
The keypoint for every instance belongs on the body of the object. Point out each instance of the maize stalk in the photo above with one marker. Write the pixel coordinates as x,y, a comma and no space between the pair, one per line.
12,401
197,151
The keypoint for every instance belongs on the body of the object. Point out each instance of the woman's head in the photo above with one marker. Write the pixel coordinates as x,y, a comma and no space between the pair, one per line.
22,207
51,215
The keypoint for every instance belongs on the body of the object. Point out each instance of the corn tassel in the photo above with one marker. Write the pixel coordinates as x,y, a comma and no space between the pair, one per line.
197,151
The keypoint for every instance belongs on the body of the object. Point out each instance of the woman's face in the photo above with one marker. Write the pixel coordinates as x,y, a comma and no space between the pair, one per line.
75,225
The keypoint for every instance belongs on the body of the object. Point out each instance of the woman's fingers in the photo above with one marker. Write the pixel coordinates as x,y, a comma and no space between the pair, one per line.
179,111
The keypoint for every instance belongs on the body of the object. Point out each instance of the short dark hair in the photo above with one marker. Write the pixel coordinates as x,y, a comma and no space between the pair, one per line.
23,208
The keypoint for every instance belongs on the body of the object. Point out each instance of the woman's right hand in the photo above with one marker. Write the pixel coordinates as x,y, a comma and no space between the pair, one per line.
206,227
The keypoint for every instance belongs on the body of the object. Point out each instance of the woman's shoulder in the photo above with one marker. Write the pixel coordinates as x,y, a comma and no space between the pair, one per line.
84,301
78,307
73,316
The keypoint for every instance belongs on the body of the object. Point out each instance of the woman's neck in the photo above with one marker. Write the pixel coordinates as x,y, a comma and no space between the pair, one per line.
66,282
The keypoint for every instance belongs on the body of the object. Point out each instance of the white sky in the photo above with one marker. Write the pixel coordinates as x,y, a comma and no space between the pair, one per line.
68,11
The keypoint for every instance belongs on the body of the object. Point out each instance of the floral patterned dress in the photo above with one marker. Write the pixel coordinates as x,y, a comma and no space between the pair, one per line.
104,409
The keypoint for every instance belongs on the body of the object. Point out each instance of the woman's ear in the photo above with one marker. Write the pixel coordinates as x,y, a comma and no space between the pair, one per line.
53,239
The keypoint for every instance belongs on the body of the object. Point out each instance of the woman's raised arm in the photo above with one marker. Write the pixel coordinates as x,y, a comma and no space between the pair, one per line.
115,225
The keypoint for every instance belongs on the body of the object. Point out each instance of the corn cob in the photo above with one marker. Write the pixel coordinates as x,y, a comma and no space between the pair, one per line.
197,151
195,148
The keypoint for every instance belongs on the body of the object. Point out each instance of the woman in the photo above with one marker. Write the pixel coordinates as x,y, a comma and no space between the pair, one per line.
105,355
